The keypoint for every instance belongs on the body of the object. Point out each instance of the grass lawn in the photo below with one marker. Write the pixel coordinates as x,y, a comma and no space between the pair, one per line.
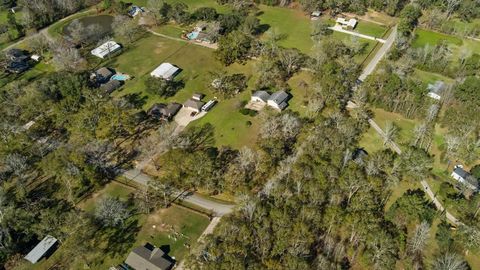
291,22
177,222
112,189
371,141
430,77
172,30
192,4
371,29
405,125
425,37
300,84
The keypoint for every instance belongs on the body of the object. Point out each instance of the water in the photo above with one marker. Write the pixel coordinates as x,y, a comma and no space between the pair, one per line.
192,35
120,77
104,21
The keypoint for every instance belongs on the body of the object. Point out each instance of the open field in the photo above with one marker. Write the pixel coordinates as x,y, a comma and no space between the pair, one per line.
406,126
113,189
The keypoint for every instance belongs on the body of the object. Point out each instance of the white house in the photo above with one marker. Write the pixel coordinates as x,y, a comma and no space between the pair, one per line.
106,49
278,100
464,177
350,24
435,90
166,71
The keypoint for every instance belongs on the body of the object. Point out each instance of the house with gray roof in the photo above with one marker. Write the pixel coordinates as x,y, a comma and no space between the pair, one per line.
260,96
111,86
164,112
465,177
278,100
42,250
149,257
194,105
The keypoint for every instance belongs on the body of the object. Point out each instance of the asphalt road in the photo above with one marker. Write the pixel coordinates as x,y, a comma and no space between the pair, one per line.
217,208
379,55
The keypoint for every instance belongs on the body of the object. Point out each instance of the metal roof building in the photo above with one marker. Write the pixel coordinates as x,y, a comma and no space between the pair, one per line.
166,71
42,249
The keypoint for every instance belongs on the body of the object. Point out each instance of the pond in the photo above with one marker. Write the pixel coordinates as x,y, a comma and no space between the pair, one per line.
103,21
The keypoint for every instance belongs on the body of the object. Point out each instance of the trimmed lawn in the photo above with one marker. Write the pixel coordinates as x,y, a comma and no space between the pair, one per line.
291,22
425,37
430,77
371,141
405,125
112,189
173,227
300,84
192,4
172,30
371,29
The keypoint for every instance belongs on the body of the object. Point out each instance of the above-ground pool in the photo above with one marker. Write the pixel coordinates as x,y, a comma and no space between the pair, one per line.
120,77
192,35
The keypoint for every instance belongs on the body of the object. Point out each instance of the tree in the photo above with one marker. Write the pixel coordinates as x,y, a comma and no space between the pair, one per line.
67,58
39,43
320,29
418,241
233,47
205,14
126,28
291,60
155,8
162,87
251,25
449,261
228,85
111,212
391,133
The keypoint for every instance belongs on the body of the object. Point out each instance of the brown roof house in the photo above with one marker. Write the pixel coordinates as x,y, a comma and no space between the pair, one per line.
149,257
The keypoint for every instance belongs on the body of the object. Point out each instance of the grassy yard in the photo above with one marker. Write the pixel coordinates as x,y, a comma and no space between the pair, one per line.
371,141
405,125
430,77
371,29
112,189
300,84
291,22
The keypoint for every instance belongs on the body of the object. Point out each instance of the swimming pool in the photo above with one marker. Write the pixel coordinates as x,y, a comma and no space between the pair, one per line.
120,77
193,35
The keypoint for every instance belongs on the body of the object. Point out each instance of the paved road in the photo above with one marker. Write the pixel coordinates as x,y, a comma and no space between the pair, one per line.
379,55
219,209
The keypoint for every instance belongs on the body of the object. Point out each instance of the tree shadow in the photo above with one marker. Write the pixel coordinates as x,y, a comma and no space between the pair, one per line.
119,240
136,100
262,28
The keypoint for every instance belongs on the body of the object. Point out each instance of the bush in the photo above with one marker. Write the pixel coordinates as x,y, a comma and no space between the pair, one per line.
244,111
248,123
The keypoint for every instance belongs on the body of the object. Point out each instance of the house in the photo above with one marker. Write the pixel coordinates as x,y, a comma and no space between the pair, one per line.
45,248
197,96
315,15
17,66
436,89
111,86
464,177
260,96
194,105
106,49
135,10
165,71
278,100
164,112
149,257
347,24
102,75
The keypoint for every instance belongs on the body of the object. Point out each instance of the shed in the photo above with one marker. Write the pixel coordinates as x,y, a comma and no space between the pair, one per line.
197,96
315,15
149,257
106,49
42,249
165,71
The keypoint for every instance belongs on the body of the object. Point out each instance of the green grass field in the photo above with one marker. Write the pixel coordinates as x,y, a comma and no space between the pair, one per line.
405,125
192,4
424,37
371,29
112,189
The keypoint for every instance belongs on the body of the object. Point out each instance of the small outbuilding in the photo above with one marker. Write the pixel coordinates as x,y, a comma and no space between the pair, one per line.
315,15
165,71
106,49
135,10
149,257
45,248
278,100
435,90
197,96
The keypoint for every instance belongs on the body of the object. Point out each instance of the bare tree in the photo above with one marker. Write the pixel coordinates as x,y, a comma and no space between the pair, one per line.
391,133
111,212
451,6
449,261
39,43
66,58
291,60
417,243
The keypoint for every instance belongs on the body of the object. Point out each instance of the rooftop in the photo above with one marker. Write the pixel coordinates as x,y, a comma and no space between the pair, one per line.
149,258
165,71
279,97
41,249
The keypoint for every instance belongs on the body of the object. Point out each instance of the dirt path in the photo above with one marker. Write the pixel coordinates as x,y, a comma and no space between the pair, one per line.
206,45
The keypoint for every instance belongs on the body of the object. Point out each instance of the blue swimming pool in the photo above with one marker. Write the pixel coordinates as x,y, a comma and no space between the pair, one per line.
192,35
120,77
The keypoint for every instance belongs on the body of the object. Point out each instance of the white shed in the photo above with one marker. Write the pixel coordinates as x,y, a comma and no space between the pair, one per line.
42,249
